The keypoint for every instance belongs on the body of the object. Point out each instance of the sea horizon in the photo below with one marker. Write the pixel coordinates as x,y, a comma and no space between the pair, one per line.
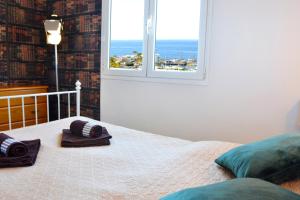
167,49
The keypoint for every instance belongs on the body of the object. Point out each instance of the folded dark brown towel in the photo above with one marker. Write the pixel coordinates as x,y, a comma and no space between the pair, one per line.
26,160
86,129
70,140
11,147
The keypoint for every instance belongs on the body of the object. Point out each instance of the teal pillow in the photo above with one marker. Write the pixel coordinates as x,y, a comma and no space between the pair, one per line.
276,159
236,189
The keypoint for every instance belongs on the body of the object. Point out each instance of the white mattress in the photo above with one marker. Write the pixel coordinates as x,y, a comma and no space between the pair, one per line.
137,165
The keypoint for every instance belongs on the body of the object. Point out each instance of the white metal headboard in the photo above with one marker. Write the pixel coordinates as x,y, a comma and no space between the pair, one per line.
58,94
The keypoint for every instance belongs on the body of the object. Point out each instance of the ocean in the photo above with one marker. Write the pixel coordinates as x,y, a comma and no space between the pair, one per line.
167,49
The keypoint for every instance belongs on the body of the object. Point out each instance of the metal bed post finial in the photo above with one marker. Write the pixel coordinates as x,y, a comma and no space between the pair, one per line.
78,88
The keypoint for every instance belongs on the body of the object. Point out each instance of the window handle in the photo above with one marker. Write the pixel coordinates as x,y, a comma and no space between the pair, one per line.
149,24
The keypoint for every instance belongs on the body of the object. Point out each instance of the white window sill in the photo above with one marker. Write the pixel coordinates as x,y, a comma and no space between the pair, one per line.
156,80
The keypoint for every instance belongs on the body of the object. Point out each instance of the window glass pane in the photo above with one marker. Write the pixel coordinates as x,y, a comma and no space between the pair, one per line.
177,35
127,25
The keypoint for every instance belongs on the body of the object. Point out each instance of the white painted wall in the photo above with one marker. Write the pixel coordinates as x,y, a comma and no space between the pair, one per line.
254,80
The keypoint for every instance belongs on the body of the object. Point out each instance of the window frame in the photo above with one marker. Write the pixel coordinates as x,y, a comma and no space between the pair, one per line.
106,40
148,67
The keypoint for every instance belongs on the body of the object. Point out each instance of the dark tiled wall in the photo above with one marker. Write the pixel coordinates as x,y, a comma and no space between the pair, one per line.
79,52
23,51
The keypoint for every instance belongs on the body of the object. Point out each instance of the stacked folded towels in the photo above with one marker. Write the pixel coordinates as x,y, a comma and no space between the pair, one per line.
85,134
14,153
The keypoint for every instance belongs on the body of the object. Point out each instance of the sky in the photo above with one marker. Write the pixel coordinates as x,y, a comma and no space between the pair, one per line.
176,19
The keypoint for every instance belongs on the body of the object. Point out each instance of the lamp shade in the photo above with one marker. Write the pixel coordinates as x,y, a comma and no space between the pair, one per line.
53,28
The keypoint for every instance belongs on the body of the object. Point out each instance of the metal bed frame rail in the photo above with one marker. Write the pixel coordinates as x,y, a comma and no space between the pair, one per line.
58,94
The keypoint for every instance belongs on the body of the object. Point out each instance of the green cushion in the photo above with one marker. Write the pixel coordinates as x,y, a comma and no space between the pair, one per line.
276,159
237,189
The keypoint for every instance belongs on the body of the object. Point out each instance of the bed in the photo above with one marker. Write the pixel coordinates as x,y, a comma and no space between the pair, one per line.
137,165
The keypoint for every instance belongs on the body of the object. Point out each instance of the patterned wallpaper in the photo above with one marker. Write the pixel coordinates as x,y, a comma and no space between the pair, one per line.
26,59
79,52
23,53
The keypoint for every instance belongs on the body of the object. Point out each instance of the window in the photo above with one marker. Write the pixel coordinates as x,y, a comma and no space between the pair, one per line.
154,38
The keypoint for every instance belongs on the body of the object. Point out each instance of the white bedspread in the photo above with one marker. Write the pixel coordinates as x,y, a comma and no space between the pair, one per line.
135,166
